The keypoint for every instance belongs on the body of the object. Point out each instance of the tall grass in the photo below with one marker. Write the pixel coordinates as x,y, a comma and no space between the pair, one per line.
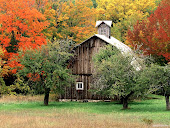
63,119
32,113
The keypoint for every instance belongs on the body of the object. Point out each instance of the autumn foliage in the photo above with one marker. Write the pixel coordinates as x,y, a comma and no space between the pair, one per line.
153,34
118,10
73,20
21,26
27,23
3,68
124,14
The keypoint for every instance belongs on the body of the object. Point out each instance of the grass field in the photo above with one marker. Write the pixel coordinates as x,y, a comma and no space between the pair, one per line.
22,113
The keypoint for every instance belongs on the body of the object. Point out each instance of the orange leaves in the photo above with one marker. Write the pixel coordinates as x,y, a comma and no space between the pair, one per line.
154,34
22,23
34,77
22,18
81,19
71,20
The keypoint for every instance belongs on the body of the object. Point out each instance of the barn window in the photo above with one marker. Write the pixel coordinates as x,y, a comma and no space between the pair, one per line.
79,86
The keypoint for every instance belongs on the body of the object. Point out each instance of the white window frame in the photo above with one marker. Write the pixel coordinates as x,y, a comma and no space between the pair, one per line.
77,88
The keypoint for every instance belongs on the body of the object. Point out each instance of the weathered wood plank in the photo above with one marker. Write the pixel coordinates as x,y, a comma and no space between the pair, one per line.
83,67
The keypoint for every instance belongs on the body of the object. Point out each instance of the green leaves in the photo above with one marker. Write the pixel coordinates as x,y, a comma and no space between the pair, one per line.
156,77
115,72
47,66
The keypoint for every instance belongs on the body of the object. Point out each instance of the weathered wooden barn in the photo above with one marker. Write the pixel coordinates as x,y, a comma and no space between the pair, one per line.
82,65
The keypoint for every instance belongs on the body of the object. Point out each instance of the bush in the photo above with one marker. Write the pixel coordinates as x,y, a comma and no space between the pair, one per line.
3,88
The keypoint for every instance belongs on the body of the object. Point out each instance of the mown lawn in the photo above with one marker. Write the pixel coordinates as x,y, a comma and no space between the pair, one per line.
78,114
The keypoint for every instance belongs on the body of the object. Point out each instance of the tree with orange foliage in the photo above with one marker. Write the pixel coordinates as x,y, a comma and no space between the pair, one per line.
75,20
21,26
154,34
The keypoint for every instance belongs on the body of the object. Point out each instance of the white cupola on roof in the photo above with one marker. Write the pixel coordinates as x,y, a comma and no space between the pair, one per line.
104,27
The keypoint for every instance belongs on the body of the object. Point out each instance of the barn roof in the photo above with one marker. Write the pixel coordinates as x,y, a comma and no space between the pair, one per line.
113,41
108,22
124,49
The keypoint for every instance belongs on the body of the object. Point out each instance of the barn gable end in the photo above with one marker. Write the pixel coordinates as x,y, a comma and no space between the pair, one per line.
83,68
104,28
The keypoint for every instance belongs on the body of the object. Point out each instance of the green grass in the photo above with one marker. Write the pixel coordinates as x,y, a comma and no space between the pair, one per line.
152,109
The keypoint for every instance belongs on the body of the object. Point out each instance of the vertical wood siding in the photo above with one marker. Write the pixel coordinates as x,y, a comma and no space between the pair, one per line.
83,68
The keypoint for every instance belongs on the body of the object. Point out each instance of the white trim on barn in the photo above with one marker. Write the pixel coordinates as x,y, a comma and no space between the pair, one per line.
79,86
108,22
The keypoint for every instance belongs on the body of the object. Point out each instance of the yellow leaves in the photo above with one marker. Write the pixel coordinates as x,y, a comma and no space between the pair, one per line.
128,43
143,5
121,9
124,13
100,13
3,68
70,18
141,33
75,20
1,53
65,24
62,17
50,14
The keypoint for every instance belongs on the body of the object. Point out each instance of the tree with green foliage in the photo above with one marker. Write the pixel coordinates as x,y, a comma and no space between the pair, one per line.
116,74
159,78
47,67
3,71
20,86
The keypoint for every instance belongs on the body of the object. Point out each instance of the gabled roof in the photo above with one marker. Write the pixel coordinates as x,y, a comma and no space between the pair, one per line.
124,49
119,45
108,22
113,41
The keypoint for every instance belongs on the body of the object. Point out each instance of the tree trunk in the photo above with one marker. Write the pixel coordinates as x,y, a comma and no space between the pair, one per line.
167,102
121,100
125,100
46,97
125,103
